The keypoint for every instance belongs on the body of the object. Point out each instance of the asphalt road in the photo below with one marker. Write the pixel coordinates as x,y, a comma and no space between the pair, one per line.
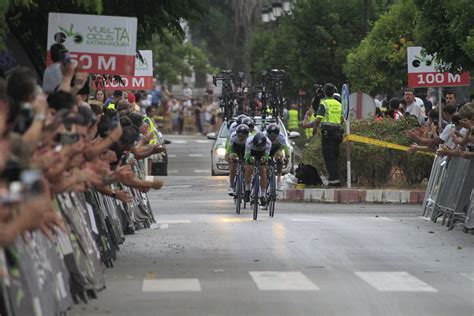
310,259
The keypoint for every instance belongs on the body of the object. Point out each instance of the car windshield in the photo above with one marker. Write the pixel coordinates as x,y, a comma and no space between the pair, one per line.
224,131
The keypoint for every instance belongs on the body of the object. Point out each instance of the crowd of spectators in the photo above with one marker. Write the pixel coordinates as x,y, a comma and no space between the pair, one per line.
57,139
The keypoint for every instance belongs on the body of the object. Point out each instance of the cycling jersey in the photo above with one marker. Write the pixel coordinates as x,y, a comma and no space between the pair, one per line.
252,150
233,127
279,143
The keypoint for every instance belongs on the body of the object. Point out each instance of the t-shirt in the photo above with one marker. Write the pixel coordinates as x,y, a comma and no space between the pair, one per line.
415,109
249,146
446,136
52,77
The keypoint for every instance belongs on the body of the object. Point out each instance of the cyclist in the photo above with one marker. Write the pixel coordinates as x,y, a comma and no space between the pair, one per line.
280,149
250,123
257,148
236,123
235,149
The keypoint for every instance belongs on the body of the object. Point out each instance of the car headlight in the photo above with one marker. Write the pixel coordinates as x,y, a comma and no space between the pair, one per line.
220,151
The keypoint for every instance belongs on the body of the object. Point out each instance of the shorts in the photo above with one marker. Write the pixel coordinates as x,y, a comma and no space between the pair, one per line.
257,154
239,150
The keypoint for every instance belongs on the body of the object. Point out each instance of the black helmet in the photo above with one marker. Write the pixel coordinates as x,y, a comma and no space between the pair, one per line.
240,118
259,139
242,129
273,129
249,122
329,89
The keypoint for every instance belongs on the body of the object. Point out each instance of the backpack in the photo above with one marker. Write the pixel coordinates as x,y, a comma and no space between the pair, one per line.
308,175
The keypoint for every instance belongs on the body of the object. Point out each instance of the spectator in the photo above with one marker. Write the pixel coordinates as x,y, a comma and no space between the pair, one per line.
111,102
451,99
394,110
53,75
134,107
156,96
412,107
100,96
187,92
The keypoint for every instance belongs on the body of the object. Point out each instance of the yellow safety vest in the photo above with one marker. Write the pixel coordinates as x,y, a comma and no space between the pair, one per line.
292,119
152,129
309,131
333,112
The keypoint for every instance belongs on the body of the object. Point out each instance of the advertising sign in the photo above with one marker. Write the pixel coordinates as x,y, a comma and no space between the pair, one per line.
142,80
423,72
103,44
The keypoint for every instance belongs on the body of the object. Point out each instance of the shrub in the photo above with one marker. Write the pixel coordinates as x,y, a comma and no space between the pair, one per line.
374,166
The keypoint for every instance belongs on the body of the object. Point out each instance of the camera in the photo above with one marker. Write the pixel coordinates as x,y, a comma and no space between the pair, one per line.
65,57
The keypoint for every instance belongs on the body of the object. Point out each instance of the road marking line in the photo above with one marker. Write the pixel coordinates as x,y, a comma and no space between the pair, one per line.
470,275
171,156
173,221
202,171
173,171
177,186
195,155
305,220
171,285
164,226
380,218
397,281
179,141
203,141
282,281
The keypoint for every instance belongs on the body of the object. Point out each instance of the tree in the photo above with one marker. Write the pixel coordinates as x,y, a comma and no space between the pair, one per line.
379,63
446,28
312,44
27,19
176,59
226,31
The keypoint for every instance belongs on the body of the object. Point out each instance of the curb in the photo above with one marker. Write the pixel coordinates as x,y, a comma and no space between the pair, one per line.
352,196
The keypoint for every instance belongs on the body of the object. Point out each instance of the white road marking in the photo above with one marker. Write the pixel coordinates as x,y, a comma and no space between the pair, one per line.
468,275
203,141
177,186
397,281
173,221
380,218
171,156
173,171
178,141
202,171
282,281
164,226
171,285
305,220
195,155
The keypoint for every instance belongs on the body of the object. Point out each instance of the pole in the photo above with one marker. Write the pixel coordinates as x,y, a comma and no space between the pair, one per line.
440,95
348,153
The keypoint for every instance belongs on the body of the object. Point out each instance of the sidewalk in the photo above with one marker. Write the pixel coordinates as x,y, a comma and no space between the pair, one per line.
352,196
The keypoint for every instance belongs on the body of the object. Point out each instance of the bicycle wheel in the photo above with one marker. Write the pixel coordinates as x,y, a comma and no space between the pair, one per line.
272,194
238,194
255,191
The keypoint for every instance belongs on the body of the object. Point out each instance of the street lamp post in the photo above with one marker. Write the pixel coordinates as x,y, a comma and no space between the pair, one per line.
276,10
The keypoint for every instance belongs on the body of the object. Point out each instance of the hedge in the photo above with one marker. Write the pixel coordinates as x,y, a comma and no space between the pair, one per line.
374,166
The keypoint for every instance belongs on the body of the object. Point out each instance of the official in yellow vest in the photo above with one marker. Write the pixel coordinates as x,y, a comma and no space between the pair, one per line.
293,117
149,119
329,117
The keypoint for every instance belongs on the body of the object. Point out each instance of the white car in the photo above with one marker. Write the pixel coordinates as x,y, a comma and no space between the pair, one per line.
220,167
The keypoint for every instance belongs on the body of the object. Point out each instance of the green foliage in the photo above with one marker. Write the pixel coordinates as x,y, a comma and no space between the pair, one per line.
177,59
379,63
446,28
312,44
373,166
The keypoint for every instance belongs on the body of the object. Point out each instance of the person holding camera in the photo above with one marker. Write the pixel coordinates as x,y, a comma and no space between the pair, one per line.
329,117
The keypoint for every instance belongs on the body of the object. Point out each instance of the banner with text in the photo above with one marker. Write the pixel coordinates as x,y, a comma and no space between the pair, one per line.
423,72
103,44
142,80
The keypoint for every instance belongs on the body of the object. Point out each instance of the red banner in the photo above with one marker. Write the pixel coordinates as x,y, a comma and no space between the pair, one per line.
104,63
128,83
437,79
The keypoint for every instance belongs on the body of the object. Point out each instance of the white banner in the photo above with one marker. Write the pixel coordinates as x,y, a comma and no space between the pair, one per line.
103,44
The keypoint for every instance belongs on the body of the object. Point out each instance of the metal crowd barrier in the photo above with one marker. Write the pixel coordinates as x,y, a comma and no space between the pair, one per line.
449,194
39,276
